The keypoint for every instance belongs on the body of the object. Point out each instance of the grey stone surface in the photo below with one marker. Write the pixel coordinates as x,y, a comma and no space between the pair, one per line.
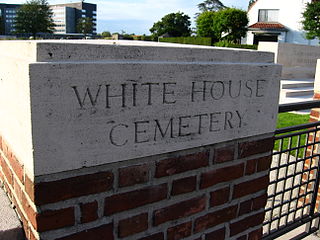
94,103
10,225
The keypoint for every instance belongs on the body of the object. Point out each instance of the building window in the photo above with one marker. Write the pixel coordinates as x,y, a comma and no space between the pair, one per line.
268,15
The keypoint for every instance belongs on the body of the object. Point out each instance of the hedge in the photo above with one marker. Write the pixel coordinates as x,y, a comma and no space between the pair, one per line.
233,45
188,40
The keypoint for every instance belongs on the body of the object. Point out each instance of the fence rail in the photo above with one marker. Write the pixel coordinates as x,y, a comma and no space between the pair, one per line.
294,178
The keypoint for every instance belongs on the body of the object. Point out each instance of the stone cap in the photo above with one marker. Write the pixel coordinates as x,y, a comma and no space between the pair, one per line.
109,50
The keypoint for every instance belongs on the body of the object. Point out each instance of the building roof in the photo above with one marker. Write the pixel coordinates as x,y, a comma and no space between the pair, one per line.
268,26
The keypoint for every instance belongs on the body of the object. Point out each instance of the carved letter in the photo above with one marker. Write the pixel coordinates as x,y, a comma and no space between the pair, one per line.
122,95
232,83
87,93
150,91
212,121
227,117
165,92
182,126
163,134
111,136
200,121
203,91
222,90
260,87
138,131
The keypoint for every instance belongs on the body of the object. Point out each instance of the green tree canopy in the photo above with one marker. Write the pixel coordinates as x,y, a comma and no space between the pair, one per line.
227,24
106,34
85,25
211,5
231,24
174,24
205,25
35,16
311,22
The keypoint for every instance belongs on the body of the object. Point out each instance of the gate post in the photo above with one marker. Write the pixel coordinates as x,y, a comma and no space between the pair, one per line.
121,140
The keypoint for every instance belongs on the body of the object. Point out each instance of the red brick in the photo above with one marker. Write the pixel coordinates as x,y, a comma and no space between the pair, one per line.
134,199
181,164
215,218
184,185
217,234
316,96
245,207
55,219
259,202
219,197
249,187
29,187
251,167
264,163
220,175
89,212
132,175
224,154
179,232
179,210
315,113
6,171
244,224
157,236
255,235
133,225
32,236
312,119
17,167
98,233
247,149
55,191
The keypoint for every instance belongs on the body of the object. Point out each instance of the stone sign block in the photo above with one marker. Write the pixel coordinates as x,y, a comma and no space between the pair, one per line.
88,104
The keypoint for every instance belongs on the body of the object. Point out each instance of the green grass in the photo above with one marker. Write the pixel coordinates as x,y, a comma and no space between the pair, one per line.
291,119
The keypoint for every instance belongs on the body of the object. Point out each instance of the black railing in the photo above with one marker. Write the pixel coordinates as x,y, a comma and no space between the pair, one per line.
294,178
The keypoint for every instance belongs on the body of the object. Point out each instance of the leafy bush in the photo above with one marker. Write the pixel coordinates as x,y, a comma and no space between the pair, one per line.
234,45
188,40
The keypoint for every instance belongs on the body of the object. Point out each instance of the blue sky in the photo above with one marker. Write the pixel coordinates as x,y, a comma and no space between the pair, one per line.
138,16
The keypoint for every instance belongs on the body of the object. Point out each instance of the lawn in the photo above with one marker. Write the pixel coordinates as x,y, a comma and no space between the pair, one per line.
291,119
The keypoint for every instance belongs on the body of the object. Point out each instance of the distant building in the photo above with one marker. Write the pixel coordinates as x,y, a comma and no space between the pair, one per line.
277,21
65,16
7,16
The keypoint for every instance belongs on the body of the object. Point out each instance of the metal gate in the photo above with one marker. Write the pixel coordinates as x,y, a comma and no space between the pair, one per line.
294,179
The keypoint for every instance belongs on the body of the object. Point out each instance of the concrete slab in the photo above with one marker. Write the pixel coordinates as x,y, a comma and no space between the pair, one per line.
10,225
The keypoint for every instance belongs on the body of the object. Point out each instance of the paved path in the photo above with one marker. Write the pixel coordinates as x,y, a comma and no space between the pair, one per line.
10,226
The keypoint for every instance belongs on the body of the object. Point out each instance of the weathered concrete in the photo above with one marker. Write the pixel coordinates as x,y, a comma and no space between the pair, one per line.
299,61
94,103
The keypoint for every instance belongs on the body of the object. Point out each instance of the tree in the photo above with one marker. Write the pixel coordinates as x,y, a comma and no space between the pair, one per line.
205,25
85,25
311,22
211,6
174,24
106,34
231,24
35,16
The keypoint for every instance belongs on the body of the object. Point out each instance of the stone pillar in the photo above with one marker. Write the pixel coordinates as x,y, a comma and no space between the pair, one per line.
110,140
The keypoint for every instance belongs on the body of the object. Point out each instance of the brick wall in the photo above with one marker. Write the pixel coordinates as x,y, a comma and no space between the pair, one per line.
213,192
312,150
